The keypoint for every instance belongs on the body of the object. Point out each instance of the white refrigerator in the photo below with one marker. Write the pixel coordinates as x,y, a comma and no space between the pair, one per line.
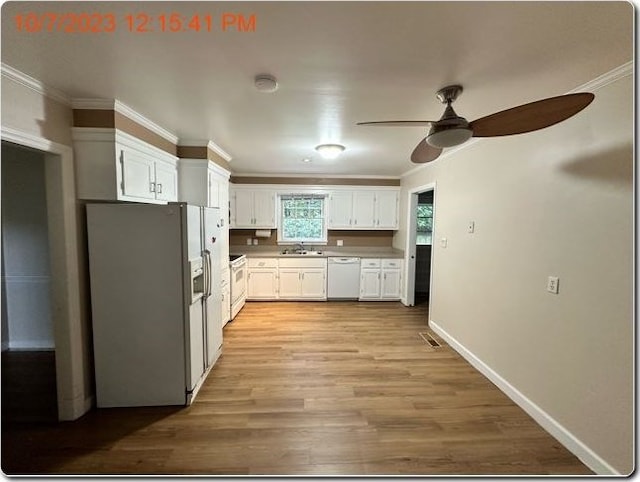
155,301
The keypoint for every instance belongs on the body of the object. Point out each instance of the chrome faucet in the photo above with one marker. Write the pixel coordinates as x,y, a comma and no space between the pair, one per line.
300,247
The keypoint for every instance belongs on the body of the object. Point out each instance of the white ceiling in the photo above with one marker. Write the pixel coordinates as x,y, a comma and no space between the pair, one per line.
337,63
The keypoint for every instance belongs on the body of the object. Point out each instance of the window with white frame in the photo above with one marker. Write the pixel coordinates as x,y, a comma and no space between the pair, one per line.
302,219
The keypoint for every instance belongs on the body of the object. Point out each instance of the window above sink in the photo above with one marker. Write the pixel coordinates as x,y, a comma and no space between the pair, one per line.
301,219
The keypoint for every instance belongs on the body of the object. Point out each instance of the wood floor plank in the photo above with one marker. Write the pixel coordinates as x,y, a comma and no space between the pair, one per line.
335,388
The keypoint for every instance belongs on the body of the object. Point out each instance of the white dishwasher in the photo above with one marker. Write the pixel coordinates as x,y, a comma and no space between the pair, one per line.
343,278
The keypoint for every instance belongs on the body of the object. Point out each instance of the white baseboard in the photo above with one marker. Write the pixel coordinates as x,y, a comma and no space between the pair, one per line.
546,421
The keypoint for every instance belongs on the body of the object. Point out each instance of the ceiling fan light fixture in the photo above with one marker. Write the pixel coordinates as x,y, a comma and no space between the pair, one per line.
330,151
449,137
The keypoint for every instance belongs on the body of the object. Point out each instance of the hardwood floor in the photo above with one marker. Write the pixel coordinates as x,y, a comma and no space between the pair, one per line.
310,389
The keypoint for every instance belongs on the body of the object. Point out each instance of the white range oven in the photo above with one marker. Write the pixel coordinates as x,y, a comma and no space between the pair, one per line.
238,265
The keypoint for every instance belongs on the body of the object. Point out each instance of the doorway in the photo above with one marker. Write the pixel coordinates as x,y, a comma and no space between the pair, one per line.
420,229
28,347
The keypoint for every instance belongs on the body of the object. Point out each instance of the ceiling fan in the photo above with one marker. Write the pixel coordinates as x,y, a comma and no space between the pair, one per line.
452,130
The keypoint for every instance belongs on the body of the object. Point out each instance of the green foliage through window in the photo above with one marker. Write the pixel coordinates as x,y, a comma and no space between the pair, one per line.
303,218
425,218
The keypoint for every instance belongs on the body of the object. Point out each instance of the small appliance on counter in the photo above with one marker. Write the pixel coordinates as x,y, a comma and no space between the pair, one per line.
238,265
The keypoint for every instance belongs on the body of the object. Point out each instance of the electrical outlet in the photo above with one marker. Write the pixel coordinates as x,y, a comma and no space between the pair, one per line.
339,242
552,284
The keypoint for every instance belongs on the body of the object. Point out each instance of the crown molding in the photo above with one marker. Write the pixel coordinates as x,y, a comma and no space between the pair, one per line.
34,84
208,144
316,174
606,78
125,110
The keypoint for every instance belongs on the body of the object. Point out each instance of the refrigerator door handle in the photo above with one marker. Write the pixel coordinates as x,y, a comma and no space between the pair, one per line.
207,263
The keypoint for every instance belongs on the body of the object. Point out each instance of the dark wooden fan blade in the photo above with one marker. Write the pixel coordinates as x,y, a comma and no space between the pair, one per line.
532,116
396,123
424,152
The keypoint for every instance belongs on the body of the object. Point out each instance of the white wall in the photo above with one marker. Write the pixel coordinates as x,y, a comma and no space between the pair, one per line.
554,202
25,250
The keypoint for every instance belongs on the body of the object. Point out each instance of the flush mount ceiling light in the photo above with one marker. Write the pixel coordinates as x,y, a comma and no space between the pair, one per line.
329,151
306,160
266,83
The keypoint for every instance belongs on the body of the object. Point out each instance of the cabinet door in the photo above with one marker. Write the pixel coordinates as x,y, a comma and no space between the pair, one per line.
138,175
264,209
213,190
364,209
313,283
340,207
289,282
223,195
225,307
262,284
387,210
391,284
243,207
166,177
370,284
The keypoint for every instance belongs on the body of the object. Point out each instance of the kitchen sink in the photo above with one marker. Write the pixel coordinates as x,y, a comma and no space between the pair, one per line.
292,252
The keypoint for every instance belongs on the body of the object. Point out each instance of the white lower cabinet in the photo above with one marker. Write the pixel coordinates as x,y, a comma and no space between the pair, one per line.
262,279
303,279
380,279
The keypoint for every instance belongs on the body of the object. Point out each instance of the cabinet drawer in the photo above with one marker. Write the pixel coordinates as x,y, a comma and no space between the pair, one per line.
262,262
370,263
392,263
303,263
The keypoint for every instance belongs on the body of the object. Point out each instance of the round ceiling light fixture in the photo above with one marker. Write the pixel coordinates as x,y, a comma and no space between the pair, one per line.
266,83
329,151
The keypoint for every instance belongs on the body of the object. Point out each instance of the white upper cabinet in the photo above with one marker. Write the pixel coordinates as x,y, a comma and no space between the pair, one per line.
112,165
203,183
386,211
363,209
340,210
253,209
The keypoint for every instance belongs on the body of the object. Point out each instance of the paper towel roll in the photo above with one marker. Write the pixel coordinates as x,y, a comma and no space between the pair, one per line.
263,233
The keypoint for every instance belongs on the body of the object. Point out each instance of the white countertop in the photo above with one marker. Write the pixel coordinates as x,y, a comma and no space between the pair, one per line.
330,251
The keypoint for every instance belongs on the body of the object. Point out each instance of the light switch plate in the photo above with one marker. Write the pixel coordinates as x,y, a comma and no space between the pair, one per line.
471,227
443,242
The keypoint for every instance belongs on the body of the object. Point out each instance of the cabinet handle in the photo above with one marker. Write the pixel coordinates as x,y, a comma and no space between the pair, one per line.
152,187
378,275
159,188
355,222
385,276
